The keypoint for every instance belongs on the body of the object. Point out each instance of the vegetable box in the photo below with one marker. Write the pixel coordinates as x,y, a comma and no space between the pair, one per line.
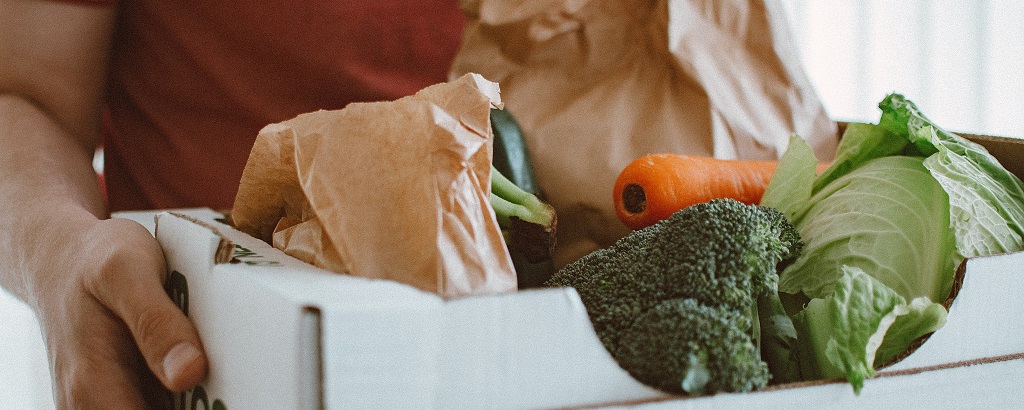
280,333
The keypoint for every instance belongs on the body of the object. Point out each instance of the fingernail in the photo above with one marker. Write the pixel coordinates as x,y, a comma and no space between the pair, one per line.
177,358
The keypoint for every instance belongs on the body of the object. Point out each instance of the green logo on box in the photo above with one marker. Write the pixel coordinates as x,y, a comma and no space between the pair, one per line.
250,257
177,289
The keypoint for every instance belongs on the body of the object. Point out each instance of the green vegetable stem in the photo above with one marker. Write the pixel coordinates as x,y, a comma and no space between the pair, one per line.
528,223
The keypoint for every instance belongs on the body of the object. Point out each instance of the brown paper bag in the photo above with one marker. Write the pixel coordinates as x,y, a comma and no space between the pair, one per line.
598,83
390,190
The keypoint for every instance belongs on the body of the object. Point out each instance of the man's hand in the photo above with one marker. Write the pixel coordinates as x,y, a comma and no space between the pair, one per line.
96,284
113,335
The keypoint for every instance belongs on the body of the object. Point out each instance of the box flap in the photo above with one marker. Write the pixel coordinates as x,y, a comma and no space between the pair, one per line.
272,325
194,244
982,318
148,218
531,349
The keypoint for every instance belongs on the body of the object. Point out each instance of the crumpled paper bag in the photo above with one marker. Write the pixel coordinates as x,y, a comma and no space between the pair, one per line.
389,190
598,83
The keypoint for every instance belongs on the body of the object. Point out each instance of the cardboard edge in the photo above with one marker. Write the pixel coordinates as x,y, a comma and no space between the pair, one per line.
225,247
817,383
311,367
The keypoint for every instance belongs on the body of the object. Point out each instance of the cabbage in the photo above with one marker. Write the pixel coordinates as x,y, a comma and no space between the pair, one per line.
886,226
901,235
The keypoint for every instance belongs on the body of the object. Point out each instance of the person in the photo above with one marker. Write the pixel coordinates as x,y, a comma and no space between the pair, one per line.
175,93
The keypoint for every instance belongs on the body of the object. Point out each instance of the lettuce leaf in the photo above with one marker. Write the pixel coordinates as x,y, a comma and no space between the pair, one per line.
843,333
790,187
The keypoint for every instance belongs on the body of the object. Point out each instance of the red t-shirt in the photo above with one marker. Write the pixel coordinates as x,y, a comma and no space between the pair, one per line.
192,83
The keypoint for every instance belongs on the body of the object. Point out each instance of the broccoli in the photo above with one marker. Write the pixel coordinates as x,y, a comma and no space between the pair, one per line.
684,362
677,303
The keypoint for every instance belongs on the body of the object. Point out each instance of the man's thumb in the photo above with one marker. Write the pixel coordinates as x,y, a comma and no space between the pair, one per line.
167,340
131,287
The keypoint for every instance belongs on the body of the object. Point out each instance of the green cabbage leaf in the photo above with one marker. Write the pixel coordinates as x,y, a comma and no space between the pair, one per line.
885,227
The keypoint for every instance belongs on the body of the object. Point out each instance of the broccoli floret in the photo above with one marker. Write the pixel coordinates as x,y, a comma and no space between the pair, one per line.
681,345
723,252
701,268
615,283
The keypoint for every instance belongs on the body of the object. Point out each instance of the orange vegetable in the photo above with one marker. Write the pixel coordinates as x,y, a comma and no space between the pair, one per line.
653,187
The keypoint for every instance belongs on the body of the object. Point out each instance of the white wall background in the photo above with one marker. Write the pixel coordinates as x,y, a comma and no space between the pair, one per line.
962,62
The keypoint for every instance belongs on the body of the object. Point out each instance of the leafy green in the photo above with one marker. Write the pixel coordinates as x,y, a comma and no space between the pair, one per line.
986,201
778,338
842,334
888,222
889,218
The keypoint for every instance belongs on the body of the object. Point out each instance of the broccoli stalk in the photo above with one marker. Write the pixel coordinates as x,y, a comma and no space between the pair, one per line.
684,304
528,223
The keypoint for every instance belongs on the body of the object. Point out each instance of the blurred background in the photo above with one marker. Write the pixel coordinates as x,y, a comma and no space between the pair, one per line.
961,62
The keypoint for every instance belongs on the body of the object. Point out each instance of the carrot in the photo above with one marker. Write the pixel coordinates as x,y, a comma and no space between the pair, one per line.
653,187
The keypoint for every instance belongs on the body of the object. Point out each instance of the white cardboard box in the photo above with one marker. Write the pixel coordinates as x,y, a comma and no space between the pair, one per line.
282,334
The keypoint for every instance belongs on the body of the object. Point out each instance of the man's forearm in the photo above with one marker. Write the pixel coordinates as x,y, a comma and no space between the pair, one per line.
48,180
